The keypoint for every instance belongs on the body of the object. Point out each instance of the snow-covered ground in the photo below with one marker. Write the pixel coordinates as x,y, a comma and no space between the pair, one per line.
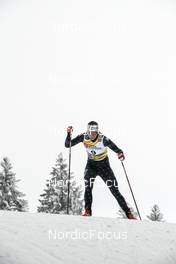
27,238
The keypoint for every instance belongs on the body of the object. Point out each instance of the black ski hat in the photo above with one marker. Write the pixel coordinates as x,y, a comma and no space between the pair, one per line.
92,123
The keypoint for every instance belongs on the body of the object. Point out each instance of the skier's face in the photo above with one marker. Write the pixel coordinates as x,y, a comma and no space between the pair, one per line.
92,131
92,134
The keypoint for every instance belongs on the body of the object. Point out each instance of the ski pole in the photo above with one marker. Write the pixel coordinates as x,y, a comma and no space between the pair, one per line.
69,167
131,189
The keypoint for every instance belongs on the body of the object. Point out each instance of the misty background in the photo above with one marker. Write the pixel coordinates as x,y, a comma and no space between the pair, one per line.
69,62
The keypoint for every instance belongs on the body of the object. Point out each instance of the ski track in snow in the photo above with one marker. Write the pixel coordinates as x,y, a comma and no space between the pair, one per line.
24,239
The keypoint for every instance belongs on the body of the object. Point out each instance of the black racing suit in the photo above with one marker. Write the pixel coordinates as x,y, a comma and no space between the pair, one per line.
101,168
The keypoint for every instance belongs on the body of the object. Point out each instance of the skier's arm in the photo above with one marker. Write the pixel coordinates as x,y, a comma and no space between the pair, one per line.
108,143
74,141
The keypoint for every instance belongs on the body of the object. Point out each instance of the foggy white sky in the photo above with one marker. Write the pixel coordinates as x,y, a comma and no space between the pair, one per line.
69,62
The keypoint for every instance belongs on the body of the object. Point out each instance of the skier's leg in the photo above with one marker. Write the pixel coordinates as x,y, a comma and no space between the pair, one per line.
109,178
89,178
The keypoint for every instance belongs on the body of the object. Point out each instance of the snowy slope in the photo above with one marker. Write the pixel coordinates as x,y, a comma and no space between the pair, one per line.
49,239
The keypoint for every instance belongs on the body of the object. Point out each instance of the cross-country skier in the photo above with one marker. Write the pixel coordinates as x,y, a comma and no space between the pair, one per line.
98,164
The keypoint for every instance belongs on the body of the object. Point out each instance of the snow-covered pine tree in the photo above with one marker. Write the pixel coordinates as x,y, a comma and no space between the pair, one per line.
121,214
54,198
155,214
47,199
10,197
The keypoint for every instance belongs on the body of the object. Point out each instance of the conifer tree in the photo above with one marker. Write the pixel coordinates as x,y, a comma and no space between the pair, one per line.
54,198
155,214
10,197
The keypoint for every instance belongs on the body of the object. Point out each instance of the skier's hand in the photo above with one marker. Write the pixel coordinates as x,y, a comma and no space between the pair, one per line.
121,156
69,130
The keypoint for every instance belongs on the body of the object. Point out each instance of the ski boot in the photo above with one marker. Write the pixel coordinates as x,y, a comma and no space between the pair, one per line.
130,215
88,212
